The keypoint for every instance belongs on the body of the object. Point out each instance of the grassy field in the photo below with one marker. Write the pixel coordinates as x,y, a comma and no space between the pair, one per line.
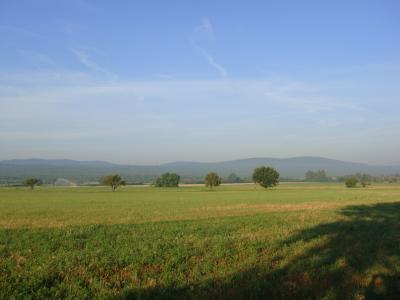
295,241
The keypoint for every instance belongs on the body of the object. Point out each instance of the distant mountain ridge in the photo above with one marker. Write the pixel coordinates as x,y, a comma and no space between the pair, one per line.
81,171
55,162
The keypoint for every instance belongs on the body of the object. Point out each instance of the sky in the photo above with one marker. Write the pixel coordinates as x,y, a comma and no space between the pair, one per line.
149,82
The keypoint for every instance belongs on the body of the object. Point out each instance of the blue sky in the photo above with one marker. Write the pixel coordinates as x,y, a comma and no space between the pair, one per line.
148,82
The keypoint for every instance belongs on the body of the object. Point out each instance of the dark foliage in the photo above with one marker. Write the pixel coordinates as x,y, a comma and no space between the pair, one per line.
167,180
351,182
32,182
266,176
113,181
212,179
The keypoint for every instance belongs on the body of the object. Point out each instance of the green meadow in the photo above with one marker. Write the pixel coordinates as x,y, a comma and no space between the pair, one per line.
301,241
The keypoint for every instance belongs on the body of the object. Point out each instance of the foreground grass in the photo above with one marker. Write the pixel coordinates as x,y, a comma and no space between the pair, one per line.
303,241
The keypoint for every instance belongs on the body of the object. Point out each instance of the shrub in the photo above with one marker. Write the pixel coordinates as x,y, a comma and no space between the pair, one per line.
351,182
167,180
114,181
266,176
32,182
212,179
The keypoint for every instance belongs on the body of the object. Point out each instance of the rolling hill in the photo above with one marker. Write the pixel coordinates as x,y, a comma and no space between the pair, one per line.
85,171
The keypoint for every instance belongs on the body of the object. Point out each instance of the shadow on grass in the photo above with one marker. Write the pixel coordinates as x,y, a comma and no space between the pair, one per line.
357,257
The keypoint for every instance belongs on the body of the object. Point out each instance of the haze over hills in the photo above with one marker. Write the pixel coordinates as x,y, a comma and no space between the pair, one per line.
84,171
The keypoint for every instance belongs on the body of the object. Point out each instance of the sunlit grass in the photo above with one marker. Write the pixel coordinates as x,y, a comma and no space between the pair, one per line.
298,240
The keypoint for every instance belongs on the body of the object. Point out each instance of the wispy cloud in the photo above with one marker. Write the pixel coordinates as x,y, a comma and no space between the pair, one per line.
47,87
57,109
211,61
86,60
205,29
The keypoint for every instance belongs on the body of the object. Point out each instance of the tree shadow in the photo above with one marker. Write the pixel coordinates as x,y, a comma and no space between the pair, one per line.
356,257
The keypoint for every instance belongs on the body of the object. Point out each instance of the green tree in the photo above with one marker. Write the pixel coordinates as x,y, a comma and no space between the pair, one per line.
363,179
212,179
32,182
114,181
351,182
167,180
266,176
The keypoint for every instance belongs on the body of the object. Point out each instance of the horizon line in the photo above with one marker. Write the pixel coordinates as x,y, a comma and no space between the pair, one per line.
194,161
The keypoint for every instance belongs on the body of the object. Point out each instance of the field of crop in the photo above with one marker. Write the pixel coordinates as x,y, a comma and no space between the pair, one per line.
294,241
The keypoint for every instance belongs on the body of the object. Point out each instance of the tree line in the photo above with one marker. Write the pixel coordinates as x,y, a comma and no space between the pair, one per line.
350,181
264,176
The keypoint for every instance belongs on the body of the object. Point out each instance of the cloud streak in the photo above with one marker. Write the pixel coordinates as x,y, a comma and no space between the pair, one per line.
59,87
206,29
211,61
86,60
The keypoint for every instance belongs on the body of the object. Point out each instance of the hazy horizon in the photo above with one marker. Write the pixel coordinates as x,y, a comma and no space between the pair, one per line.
157,82
192,161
